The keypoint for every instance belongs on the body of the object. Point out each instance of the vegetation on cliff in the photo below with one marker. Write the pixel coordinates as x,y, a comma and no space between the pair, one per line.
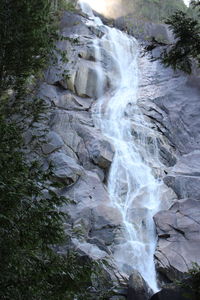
31,223
186,49
194,280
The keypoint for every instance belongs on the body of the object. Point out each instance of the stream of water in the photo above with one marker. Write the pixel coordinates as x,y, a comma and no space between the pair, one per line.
132,187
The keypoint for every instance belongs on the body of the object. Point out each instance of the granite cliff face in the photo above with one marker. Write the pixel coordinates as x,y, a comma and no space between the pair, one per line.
174,108
175,112
81,156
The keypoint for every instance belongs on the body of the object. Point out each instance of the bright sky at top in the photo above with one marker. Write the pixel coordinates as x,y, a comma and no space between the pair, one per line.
187,2
110,8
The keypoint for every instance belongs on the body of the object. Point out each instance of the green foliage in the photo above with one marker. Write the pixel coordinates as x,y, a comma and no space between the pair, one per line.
194,275
26,36
186,49
190,286
31,226
184,53
32,232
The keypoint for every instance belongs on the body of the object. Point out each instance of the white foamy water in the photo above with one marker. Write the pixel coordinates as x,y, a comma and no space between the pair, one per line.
132,186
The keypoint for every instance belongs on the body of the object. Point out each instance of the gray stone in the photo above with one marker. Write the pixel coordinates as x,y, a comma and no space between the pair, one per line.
188,164
93,214
88,53
53,143
48,92
143,29
106,235
184,186
184,177
90,250
166,155
63,122
100,150
99,31
172,105
138,288
179,238
64,167
87,80
70,19
89,191
73,24
69,101
77,29
174,292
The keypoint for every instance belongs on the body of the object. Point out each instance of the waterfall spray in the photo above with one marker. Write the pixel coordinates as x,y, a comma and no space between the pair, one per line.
132,187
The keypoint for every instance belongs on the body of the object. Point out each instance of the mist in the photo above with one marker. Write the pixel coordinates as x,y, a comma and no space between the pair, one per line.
111,8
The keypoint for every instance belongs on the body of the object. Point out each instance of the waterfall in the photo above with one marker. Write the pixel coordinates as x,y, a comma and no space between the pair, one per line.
133,185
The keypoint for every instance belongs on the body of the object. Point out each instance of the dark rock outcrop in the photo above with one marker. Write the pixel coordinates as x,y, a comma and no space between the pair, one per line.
138,288
174,292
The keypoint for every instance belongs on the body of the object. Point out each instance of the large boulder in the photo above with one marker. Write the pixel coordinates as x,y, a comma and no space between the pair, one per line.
89,80
100,149
53,142
64,167
179,238
184,177
138,288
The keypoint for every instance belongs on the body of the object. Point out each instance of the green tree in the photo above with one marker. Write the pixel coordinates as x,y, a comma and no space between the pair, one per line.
31,226
26,36
31,222
186,48
194,279
190,285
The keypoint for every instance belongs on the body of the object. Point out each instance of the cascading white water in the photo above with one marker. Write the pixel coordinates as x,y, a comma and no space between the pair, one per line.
133,188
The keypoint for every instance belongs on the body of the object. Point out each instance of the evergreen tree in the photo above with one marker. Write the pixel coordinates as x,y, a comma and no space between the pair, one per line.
186,49
31,223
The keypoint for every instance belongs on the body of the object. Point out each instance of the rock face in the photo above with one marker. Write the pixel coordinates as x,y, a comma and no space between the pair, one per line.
178,231
144,30
138,289
175,293
173,106
80,156
77,152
